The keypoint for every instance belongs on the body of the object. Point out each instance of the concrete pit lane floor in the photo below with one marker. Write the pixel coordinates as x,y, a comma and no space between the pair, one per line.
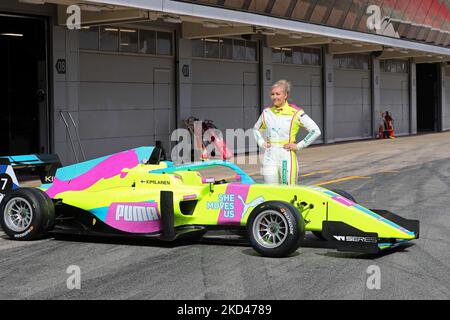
409,176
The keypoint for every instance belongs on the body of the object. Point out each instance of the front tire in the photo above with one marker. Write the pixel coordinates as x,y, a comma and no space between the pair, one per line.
275,229
27,214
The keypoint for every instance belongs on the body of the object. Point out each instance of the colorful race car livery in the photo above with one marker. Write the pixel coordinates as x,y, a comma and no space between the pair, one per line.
137,193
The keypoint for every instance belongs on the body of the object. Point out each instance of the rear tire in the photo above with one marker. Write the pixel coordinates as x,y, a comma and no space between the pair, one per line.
27,214
275,229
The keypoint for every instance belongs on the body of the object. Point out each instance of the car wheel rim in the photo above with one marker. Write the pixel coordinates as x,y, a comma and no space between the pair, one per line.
18,214
270,229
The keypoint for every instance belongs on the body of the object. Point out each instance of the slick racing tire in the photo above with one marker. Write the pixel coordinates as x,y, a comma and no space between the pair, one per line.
340,192
27,214
275,229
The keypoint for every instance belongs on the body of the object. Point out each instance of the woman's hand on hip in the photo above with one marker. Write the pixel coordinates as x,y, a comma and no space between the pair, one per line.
290,147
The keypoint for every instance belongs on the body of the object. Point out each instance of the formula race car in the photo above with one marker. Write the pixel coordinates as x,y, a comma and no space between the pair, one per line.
138,193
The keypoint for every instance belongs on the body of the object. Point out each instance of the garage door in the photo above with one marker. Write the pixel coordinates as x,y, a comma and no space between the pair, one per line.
394,82
225,83
126,91
352,113
446,107
301,66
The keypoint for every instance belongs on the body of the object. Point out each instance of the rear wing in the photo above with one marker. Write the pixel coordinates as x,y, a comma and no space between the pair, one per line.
43,165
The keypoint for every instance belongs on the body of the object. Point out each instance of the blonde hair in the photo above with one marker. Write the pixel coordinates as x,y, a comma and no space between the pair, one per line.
283,83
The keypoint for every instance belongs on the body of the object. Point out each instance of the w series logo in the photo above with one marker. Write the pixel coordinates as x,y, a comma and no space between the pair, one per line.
356,239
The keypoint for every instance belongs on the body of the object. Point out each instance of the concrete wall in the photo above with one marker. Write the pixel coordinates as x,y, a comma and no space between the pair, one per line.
225,92
117,101
352,106
120,101
65,93
395,98
413,97
132,96
328,97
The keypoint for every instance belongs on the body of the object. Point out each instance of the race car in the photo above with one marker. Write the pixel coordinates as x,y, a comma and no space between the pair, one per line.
138,193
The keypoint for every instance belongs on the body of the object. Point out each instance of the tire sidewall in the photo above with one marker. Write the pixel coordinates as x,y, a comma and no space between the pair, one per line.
295,224
43,214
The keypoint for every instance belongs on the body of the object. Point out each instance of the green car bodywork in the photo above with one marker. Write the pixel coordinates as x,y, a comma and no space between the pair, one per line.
122,193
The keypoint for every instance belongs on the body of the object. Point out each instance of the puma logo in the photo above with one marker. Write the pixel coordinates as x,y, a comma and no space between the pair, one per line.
247,206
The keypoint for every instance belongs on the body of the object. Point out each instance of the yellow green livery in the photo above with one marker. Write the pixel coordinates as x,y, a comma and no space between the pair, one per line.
138,193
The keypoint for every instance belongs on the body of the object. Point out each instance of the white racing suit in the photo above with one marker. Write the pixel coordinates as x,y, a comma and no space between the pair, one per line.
280,166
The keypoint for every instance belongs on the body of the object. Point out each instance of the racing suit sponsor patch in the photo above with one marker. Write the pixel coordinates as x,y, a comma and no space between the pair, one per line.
284,172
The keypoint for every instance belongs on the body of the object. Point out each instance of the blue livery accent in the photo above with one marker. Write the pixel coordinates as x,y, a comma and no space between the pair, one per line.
330,193
144,153
100,213
73,171
24,159
378,217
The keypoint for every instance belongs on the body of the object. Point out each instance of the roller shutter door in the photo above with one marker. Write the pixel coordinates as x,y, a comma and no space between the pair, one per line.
395,99
226,92
125,101
446,106
306,91
352,113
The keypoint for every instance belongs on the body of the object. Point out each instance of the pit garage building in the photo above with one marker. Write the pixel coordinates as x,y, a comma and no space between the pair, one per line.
87,78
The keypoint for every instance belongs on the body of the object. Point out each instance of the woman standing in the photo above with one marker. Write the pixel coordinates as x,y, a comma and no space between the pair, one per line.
281,123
